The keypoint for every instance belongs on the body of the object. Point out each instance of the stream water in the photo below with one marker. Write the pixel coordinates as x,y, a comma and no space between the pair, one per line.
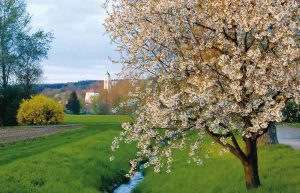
134,181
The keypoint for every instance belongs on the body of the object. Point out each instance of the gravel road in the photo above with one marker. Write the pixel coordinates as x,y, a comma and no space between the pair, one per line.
13,134
289,136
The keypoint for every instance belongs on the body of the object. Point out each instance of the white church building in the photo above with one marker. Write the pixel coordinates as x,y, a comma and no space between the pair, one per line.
92,93
89,95
108,83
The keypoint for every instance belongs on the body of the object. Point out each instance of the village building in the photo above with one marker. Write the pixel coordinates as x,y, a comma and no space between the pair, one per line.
90,94
88,99
108,84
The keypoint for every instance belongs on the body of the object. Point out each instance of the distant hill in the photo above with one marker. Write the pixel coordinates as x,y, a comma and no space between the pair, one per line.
80,85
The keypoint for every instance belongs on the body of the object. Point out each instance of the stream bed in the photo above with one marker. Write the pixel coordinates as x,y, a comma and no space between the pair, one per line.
134,181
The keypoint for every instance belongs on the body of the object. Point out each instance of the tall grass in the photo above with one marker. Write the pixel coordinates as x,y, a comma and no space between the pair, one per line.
279,168
297,125
78,162
69,162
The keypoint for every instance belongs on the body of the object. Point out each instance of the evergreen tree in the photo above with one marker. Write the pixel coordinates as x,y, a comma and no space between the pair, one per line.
73,103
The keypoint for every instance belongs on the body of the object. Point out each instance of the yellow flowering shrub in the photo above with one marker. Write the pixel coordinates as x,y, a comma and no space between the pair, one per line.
40,110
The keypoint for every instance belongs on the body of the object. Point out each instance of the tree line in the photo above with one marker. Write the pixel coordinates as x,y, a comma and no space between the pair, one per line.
21,51
106,101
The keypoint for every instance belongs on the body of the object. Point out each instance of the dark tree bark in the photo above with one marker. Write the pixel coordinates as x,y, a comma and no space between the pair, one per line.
248,157
251,164
270,137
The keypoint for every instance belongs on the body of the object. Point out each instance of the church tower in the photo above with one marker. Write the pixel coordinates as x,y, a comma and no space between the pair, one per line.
107,81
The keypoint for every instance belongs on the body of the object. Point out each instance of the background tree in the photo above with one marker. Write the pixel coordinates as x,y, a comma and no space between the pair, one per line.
81,100
291,112
31,50
20,52
218,68
110,99
73,104
119,94
269,137
100,105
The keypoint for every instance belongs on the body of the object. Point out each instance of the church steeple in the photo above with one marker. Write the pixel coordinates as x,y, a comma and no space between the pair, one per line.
107,81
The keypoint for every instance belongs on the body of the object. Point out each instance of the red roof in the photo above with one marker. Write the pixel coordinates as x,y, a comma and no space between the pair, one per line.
88,107
91,91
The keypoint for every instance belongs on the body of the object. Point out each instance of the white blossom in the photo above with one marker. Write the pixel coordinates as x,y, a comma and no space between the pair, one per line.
212,67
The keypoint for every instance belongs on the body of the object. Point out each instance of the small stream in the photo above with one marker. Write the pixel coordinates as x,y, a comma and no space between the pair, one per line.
134,181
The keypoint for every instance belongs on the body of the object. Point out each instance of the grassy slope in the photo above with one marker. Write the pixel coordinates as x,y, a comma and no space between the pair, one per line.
292,124
279,172
68,162
77,161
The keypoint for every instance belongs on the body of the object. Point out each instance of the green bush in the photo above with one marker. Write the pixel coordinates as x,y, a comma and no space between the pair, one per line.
291,112
40,110
9,105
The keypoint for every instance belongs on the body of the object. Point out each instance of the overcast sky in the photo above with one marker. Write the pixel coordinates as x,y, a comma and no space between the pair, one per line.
80,50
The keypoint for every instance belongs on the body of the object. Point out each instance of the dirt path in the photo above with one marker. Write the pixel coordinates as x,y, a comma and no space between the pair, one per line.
9,135
289,136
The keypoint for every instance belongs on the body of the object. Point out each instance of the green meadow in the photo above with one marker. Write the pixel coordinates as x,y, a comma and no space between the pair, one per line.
279,167
279,171
78,162
69,162
297,125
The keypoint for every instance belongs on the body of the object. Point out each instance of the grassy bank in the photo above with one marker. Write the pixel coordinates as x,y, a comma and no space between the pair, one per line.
292,124
75,161
78,162
279,167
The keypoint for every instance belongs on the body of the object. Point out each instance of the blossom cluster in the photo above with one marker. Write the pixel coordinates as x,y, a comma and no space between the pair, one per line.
213,67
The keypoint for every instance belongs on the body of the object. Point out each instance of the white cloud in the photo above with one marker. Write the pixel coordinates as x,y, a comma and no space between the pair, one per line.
79,51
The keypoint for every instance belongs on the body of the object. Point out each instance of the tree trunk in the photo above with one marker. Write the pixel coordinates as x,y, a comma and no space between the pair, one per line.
251,165
251,174
270,137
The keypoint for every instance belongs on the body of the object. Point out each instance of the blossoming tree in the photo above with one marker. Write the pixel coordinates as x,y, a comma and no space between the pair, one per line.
219,68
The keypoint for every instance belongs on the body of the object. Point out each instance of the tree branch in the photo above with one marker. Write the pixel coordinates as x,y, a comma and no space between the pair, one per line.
235,150
227,36
205,27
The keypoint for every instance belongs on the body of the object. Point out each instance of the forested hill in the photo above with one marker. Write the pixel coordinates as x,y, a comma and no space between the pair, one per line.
85,84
